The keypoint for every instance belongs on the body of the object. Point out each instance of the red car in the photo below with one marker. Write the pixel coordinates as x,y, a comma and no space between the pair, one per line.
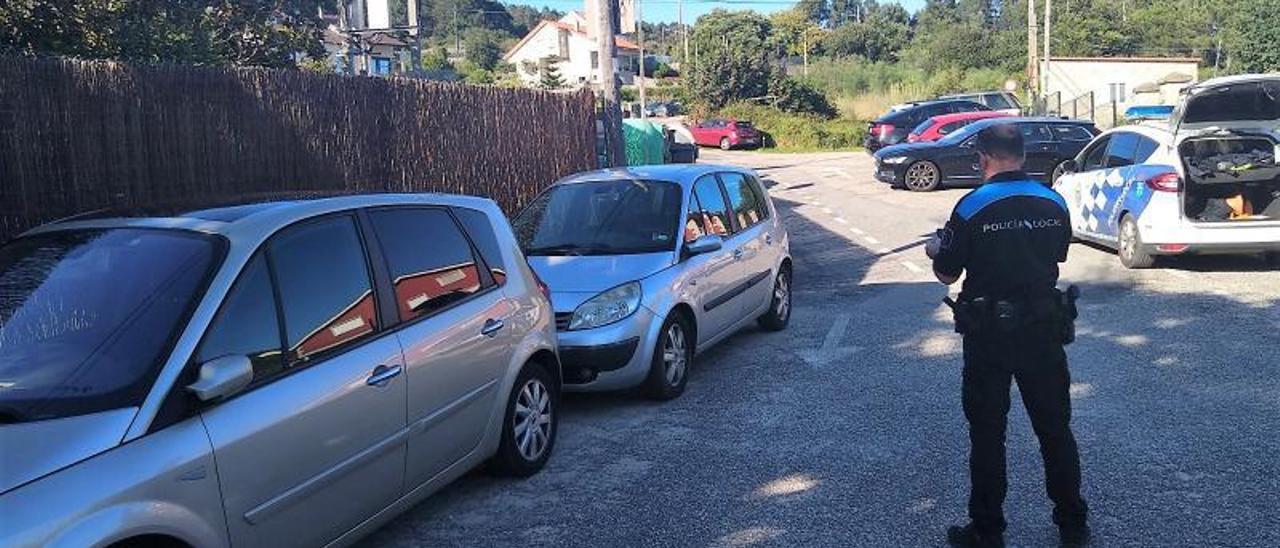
726,133
934,128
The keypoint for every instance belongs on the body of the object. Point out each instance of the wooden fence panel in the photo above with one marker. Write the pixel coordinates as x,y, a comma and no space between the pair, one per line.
77,136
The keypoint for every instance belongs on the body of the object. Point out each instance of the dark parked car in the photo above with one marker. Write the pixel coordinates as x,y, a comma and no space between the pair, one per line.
952,160
999,101
893,128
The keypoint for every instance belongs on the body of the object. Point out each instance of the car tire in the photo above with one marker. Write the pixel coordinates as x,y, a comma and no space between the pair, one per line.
672,358
1133,253
534,391
725,144
922,176
779,314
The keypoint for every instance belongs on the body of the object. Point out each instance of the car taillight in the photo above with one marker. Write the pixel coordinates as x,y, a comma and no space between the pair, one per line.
883,131
1165,182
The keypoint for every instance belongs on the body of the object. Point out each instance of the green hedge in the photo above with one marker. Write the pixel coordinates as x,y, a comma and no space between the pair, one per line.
796,132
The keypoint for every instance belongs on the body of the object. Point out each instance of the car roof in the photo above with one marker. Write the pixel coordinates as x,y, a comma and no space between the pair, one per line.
252,216
971,94
1026,119
972,115
1160,133
682,174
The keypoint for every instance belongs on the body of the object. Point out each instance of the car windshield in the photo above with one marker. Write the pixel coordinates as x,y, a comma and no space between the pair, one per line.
86,317
601,218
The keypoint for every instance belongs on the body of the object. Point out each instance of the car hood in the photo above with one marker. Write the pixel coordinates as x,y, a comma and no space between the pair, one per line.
35,449
591,274
905,149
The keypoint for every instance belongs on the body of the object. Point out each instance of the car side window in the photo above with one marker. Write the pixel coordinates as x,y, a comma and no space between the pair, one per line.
478,226
431,263
1096,156
324,285
948,128
747,207
247,324
1035,133
707,210
1121,150
996,101
1146,148
1068,132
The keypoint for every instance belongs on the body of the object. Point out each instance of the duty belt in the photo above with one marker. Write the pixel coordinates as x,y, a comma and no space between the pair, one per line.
1053,313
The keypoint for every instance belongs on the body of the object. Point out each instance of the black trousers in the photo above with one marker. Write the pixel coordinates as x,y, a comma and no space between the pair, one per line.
1039,365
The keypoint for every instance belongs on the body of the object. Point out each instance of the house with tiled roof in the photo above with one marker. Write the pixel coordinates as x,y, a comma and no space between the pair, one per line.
569,44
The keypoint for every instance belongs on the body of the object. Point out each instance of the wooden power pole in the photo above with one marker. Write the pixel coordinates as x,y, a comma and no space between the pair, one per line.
1048,11
611,109
640,39
1033,67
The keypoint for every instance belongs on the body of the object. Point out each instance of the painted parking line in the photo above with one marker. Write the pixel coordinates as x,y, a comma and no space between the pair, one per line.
842,220
912,267
871,240
856,230
826,210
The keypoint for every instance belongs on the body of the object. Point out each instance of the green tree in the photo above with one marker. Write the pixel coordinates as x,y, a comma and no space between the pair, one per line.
1256,37
550,78
483,47
215,32
733,57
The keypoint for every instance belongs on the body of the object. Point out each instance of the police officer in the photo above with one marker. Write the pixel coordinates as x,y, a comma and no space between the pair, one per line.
1008,237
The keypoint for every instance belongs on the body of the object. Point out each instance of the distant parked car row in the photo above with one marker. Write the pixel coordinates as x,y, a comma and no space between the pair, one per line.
920,118
298,372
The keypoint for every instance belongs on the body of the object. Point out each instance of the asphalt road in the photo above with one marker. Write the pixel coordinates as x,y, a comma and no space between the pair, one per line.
846,429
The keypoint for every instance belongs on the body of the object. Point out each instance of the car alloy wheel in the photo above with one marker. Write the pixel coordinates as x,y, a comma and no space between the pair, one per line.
1132,253
725,144
922,177
675,355
532,419
782,296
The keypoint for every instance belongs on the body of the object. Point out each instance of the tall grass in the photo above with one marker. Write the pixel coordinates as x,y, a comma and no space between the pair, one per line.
863,90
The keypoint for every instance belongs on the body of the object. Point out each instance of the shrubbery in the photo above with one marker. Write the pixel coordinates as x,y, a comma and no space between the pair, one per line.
798,132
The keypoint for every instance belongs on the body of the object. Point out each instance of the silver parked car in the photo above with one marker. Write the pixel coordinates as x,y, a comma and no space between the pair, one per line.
650,265
289,373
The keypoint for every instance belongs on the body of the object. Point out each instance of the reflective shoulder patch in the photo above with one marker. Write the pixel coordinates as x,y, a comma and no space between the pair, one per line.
991,193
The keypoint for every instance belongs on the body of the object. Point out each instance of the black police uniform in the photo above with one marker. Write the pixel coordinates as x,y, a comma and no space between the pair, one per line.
1009,236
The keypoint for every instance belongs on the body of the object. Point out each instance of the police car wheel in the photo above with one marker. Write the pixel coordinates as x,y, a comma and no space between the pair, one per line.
1133,253
922,176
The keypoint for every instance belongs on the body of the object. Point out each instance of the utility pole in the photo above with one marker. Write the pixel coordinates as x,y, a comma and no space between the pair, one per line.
457,39
1217,50
640,37
685,31
415,53
611,110
1048,11
805,35
1033,67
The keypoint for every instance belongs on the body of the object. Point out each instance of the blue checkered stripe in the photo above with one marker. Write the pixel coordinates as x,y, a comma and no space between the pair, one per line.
1099,204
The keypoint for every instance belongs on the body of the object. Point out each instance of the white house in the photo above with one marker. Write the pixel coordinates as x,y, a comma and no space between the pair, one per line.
1115,79
570,45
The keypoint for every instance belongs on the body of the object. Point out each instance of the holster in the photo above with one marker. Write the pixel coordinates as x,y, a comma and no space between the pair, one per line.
1052,315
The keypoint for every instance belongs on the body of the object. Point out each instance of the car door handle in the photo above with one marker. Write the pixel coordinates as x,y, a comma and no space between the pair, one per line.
768,239
492,327
383,374
737,253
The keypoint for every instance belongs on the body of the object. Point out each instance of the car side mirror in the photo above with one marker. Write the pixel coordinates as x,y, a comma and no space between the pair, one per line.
222,377
704,244
1070,166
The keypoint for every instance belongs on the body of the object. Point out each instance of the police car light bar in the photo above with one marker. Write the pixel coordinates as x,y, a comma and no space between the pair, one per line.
1148,112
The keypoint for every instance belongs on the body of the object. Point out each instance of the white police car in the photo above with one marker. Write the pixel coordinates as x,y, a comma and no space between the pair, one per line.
1206,181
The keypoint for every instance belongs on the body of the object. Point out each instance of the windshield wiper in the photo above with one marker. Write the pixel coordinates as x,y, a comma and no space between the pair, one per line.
566,249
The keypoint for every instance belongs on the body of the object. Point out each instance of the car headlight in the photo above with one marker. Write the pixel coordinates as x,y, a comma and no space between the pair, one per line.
894,160
608,307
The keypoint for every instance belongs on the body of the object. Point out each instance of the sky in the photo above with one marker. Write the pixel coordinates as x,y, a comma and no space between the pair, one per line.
666,10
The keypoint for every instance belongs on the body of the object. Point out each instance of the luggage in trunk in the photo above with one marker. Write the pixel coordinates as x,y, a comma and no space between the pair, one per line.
1231,177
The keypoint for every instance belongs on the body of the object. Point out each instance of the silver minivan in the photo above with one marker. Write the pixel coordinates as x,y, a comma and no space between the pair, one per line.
650,265
284,373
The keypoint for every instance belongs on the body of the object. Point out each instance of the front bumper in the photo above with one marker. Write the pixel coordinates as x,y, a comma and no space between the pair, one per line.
888,174
612,357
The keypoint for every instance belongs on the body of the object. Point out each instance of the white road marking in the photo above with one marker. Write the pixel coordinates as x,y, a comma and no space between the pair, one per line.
842,220
871,240
856,230
912,266
830,349
827,210
1178,274
885,251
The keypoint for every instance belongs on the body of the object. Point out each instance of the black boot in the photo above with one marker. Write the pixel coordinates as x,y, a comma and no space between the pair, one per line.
969,536
1074,537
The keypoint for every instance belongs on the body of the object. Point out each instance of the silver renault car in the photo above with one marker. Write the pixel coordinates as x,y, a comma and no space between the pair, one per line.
284,373
649,266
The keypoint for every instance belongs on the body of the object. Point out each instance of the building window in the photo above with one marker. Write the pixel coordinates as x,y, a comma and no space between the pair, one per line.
381,66
1117,92
595,59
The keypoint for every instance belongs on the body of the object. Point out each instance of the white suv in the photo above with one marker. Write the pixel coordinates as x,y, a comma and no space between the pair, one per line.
1205,182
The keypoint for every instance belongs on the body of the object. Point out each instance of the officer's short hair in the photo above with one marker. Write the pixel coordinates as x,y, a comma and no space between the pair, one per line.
1001,141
